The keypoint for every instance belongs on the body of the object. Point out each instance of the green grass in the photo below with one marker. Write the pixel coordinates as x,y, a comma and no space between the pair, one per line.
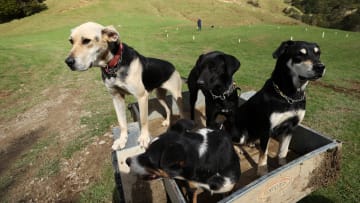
103,190
32,55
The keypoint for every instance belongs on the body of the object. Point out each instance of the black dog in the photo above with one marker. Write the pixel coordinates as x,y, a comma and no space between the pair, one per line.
212,74
205,158
280,105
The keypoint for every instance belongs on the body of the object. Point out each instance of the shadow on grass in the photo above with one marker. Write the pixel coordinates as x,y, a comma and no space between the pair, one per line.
315,198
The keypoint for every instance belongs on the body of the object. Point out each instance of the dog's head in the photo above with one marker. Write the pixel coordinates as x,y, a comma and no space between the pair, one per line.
165,157
91,44
216,70
302,58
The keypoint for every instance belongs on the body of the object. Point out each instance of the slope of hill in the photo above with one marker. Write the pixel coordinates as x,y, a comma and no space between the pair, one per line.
212,12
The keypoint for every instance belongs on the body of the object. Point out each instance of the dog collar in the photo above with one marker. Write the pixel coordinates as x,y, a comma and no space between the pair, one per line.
288,99
227,93
117,58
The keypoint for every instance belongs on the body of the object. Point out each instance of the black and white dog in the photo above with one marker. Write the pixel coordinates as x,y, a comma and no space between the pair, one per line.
212,74
279,106
124,71
204,158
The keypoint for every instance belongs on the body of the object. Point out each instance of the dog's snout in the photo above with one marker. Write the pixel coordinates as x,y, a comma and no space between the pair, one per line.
128,161
319,67
70,61
201,82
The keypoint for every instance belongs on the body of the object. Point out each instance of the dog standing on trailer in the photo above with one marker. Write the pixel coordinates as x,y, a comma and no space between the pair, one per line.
124,71
279,106
213,75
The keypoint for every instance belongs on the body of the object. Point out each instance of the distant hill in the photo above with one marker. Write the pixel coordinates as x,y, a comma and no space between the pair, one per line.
212,12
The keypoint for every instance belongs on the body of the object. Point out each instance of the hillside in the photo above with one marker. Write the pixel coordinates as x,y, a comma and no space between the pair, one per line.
212,12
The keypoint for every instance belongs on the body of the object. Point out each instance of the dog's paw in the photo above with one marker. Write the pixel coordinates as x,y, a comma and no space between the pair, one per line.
282,161
144,141
165,123
119,143
262,170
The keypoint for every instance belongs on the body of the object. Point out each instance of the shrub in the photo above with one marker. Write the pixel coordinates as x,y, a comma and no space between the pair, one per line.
15,9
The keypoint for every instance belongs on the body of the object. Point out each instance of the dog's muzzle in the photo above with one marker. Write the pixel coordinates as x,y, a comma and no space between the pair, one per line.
319,68
70,61
201,83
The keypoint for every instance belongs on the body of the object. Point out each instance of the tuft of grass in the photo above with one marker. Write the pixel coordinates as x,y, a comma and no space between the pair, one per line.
49,168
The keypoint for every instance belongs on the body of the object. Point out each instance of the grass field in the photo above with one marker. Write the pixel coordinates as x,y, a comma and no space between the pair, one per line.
32,53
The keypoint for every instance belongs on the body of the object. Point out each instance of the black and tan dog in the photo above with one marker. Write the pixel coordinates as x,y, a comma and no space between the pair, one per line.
204,158
124,71
212,74
279,106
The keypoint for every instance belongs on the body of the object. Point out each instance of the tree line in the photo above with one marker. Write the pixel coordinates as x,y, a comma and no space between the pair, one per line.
15,9
340,14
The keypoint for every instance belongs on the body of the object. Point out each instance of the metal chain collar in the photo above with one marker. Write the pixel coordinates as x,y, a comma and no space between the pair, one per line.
288,99
227,93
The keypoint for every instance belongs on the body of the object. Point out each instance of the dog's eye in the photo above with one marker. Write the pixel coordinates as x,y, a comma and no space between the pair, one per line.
303,52
71,41
86,41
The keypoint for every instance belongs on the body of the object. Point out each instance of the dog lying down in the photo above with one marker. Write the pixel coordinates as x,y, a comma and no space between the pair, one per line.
204,158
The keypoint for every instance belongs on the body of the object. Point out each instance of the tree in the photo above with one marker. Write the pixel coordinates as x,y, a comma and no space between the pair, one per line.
14,9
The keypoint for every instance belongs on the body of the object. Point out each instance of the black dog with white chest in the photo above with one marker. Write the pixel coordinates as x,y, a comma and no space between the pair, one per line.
204,158
212,74
279,106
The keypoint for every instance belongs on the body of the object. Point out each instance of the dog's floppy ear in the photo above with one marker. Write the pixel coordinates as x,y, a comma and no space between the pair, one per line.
282,49
232,64
173,156
199,61
110,34
182,125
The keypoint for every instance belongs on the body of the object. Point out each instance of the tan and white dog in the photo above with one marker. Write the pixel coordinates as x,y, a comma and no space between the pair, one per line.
124,71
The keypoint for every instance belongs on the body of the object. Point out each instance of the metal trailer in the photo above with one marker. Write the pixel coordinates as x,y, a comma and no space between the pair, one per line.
315,163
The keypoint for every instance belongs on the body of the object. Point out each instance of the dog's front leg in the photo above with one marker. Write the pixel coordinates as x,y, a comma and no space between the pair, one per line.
283,149
262,168
119,104
144,137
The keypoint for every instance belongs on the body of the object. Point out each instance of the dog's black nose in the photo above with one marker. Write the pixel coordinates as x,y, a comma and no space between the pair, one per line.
70,61
319,67
201,82
128,161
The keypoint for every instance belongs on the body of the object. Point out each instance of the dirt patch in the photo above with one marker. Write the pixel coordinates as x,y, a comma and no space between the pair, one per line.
4,93
353,89
17,147
328,171
32,166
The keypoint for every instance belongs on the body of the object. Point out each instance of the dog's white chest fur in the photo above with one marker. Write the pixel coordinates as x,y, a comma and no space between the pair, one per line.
204,145
277,118
131,83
